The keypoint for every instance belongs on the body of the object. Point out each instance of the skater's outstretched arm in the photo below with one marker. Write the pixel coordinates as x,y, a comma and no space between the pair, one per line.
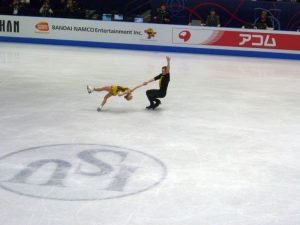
130,90
148,81
141,85
168,64
167,70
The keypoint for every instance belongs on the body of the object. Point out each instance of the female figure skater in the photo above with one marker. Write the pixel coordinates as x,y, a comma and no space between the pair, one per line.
113,90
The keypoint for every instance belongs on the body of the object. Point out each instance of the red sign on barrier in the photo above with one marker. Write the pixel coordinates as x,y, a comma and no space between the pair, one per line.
42,26
239,39
258,40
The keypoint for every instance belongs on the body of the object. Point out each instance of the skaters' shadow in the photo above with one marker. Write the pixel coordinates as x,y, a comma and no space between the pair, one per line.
130,110
125,110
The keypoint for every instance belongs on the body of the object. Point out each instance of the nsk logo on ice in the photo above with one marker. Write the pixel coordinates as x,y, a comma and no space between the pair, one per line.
10,26
79,172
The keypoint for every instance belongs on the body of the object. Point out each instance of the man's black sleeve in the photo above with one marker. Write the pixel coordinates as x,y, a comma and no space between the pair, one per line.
158,77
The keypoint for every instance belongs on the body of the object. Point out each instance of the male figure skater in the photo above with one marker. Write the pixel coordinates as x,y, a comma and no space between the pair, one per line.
164,79
114,90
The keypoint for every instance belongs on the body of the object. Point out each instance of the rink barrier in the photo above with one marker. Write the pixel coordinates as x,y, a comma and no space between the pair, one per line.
150,37
223,52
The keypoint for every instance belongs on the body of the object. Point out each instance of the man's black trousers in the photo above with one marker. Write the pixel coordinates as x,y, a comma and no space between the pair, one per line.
154,94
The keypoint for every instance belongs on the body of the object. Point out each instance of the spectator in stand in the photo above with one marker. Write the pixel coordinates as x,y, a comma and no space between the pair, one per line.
213,20
264,21
46,10
16,8
28,11
162,15
69,9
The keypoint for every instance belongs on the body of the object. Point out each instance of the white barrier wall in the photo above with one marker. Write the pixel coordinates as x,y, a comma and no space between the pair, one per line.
141,35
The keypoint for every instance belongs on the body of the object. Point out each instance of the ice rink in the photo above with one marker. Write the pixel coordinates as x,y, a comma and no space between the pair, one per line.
223,148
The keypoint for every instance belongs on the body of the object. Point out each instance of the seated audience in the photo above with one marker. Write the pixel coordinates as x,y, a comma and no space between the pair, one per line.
213,20
264,21
16,8
162,15
46,10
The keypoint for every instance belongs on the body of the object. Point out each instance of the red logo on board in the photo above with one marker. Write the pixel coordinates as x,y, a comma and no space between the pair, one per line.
185,35
42,26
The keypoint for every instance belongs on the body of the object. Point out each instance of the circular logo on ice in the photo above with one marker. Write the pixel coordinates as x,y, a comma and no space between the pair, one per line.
79,172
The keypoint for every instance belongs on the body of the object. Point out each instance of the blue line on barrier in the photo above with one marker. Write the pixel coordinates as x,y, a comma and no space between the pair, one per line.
153,48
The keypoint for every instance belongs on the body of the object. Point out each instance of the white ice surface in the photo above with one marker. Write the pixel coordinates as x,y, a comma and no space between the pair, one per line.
228,133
